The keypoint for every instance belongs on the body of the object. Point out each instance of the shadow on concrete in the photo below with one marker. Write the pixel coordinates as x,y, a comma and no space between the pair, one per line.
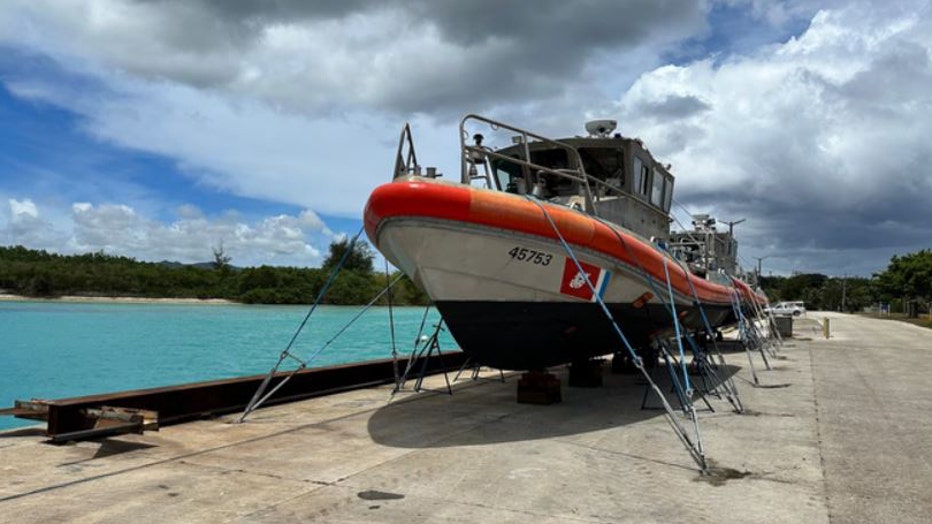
480,413
28,431
109,447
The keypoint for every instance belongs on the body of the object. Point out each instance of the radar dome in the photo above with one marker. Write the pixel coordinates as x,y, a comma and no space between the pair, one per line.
601,128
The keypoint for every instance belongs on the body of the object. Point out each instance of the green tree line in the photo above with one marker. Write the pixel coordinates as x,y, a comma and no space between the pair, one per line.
905,285
37,273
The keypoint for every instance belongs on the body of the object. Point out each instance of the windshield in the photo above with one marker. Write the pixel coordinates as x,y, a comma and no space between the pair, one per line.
604,163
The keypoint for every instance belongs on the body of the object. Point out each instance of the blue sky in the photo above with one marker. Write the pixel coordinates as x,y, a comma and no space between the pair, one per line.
159,130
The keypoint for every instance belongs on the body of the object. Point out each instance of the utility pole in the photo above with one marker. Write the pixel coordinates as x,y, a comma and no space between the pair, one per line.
759,261
732,224
844,283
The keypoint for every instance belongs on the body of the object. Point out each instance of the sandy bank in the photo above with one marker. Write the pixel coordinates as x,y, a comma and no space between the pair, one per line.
116,300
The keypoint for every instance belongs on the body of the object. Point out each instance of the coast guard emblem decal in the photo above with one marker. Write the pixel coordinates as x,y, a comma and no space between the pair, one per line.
574,284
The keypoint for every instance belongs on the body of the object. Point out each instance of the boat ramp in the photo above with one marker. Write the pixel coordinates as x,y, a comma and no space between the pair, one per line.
837,431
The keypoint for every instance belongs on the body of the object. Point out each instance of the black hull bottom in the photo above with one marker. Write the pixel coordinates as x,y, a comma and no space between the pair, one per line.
536,335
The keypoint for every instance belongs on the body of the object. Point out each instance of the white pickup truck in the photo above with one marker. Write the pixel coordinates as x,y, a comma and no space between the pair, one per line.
788,308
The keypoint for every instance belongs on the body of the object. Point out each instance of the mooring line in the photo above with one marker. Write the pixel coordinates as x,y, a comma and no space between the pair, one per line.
258,397
695,451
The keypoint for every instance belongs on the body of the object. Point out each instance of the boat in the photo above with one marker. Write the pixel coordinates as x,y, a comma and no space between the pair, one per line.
523,250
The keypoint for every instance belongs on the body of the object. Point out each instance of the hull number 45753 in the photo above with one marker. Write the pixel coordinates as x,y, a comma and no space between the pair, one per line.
531,256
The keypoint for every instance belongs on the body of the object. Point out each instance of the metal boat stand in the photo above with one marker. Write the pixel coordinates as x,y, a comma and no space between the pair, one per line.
719,386
749,336
692,443
475,368
773,337
715,378
683,395
724,383
424,349
683,390
711,382
764,336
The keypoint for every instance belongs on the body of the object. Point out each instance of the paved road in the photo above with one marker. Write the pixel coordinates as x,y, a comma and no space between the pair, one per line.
873,385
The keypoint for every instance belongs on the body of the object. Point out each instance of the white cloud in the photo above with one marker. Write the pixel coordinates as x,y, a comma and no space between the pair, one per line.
22,209
413,55
297,103
821,140
240,145
119,230
26,225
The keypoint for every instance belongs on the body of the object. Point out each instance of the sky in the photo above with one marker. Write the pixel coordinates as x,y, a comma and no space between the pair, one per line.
165,129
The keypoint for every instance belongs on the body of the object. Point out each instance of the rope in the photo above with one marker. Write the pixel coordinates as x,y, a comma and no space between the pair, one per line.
399,382
742,331
652,284
322,348
355,318
695,451
257,398
731,391
735,401
676,327
391,327
316,353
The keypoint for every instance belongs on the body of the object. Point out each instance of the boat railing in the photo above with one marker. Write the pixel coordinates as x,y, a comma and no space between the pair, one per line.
406,158
476,152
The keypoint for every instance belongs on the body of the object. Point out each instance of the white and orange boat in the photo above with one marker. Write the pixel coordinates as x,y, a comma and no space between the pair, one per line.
500,250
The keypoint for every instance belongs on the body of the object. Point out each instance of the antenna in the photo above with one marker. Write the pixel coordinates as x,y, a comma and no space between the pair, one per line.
731,225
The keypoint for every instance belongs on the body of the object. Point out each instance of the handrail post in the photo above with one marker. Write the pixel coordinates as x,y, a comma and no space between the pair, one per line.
404,163
526,164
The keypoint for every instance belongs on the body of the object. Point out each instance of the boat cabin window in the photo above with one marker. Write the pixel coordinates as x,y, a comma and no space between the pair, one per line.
656,189
641,177
605,163
559,186
510,176
552,158
661,190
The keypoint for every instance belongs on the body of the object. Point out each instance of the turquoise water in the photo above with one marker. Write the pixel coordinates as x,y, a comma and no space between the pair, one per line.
58,349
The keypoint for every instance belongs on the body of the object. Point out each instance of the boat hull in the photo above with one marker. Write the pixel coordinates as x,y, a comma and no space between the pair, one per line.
536,335
512,294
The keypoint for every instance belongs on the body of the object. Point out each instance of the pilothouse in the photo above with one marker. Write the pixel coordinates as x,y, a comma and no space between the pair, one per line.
520,253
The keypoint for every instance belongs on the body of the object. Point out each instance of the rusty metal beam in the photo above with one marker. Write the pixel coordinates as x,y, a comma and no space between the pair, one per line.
34,409
93,433
68,418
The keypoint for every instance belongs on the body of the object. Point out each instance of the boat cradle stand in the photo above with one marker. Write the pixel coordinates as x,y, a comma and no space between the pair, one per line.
539,387
476,368
586,373
692,443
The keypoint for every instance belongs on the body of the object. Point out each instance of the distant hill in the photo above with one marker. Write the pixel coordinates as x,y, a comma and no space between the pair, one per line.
200,265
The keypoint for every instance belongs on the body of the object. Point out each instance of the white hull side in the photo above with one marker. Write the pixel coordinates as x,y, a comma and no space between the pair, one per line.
461,262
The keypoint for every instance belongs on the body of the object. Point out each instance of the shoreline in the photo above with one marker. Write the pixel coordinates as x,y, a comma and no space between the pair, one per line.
6,297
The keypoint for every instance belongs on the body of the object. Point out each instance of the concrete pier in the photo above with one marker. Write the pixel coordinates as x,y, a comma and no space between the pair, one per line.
839,431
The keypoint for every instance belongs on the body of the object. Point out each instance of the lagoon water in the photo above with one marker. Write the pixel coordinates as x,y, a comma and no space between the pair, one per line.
54,349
